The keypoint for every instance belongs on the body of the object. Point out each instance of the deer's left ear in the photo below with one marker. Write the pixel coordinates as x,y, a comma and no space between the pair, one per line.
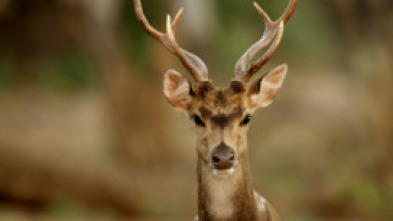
263,90
177,90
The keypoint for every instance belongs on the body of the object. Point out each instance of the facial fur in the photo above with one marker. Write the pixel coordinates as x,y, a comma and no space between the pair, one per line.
222,112
221,116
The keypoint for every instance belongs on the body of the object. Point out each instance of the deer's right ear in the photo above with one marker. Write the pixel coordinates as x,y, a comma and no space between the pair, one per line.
177,90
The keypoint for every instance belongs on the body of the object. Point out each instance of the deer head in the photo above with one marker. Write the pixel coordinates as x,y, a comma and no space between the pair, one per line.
222,115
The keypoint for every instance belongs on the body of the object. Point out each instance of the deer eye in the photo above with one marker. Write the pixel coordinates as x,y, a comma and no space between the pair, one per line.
246,120
198,121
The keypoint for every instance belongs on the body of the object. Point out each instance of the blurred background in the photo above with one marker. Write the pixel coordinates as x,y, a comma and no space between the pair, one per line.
86,134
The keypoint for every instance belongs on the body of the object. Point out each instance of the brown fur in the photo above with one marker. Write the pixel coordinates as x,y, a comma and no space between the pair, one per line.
219,101
223,107
224,194
242,199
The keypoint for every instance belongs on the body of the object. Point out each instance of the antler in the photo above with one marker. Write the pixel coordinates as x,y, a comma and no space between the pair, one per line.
193,63
272,36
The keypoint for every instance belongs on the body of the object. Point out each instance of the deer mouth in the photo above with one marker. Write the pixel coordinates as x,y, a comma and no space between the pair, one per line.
218,172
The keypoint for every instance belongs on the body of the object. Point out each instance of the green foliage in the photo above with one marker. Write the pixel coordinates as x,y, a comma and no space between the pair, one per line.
6,70
162,206
364,194
305,216
71,71
132,36
65,209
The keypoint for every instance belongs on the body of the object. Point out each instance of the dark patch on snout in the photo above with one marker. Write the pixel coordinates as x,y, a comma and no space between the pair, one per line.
223,157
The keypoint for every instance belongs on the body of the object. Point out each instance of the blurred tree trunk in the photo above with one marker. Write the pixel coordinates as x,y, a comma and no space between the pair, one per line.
30,32
35,31
365,35
199,25
38,30
139,128
367,26
367,53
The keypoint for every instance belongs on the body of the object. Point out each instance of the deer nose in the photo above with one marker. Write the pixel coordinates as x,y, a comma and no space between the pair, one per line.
223,157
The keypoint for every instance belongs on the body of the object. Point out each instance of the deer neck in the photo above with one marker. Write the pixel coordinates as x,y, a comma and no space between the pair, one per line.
226,197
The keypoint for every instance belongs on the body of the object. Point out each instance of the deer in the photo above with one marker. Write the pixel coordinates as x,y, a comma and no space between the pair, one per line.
222,116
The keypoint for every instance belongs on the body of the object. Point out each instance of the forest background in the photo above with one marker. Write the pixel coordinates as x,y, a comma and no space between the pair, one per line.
86,134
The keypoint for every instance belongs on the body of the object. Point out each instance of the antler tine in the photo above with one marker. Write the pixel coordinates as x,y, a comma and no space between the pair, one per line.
257,65
272,36
290,10
242,70
193,63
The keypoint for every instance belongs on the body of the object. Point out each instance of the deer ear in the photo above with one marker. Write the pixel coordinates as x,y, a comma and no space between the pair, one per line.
263,91
177,90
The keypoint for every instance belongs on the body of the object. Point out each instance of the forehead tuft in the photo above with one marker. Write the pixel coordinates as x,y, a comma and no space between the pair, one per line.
213,101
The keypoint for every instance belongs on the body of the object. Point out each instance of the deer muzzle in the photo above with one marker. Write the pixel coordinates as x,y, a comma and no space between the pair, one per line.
223,157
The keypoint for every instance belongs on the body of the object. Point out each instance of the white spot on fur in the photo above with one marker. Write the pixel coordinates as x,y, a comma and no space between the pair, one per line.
261,205
261,202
